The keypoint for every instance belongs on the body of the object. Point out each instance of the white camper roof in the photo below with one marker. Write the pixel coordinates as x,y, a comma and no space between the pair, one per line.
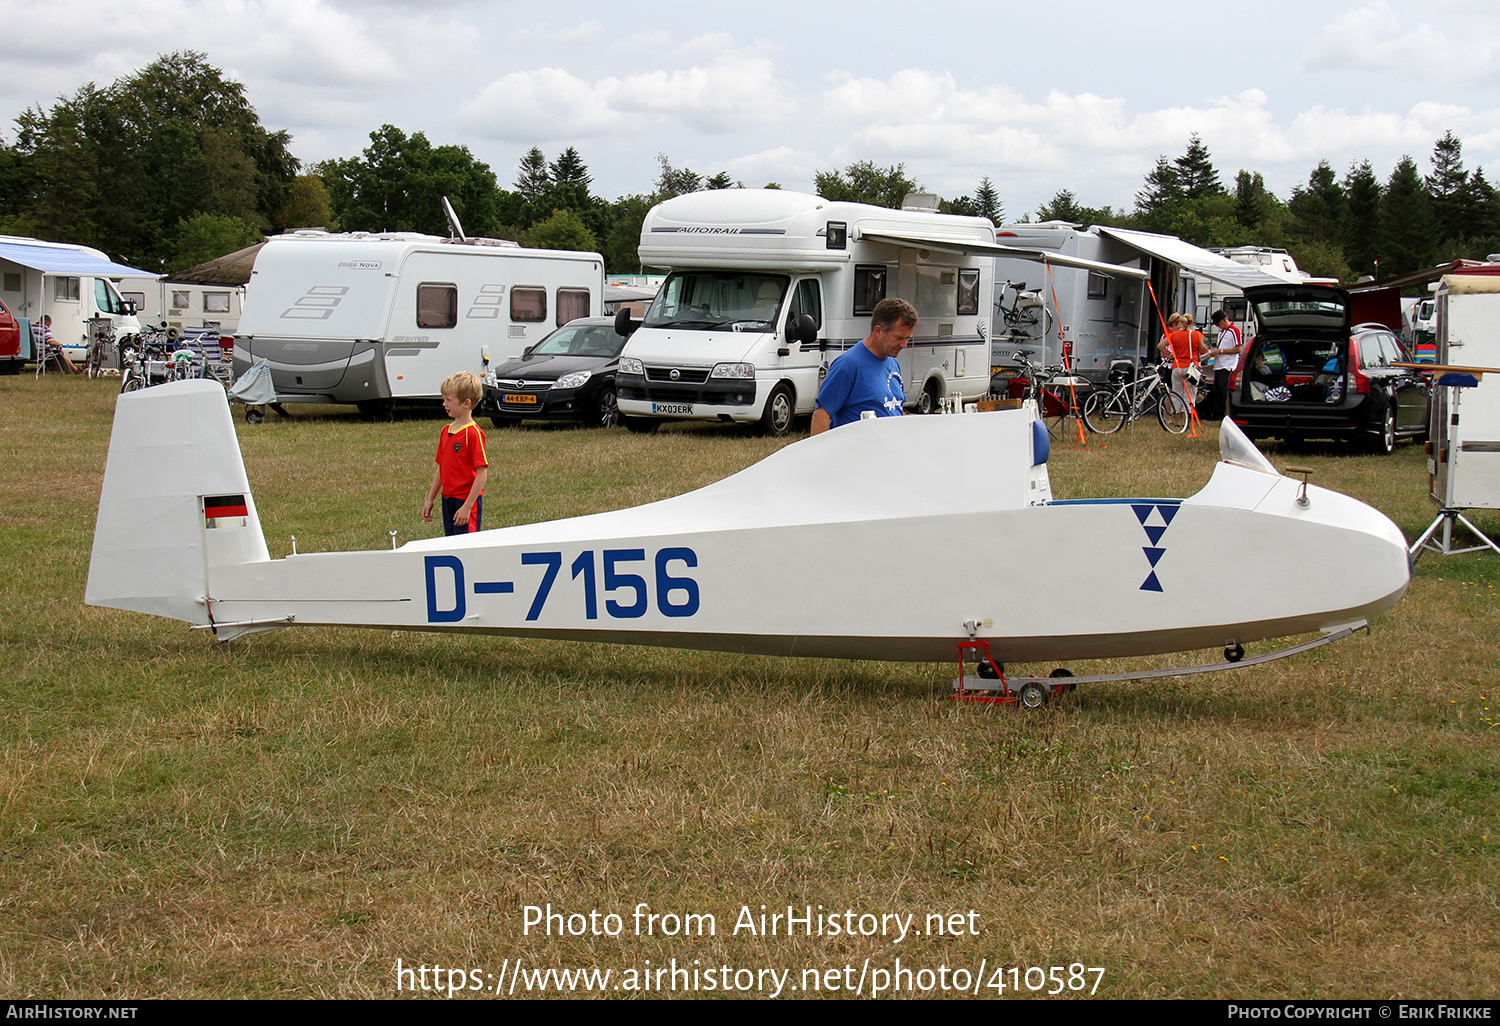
1192,258
63,258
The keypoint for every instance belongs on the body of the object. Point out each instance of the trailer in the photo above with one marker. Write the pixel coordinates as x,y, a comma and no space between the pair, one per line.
1110,314
184,305
73,285
373,319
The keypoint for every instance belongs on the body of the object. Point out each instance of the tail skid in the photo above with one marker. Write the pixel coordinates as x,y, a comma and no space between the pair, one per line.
175,504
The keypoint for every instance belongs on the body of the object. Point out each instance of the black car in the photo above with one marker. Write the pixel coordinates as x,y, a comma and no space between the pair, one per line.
1309,373
569,375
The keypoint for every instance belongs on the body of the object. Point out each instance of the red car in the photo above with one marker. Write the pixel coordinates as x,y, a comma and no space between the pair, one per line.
11,360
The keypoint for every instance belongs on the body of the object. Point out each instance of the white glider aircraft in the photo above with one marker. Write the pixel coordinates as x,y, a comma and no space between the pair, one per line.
895,538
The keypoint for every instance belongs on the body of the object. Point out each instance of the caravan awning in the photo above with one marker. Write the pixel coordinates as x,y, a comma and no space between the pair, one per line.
62,260
952,244
1189,257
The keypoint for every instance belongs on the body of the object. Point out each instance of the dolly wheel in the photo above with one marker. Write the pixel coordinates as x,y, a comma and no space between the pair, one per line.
1063,671
1032,695
1234,653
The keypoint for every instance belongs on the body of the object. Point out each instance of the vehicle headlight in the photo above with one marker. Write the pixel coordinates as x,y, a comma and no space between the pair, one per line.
733,370
629,365
489,379
573,380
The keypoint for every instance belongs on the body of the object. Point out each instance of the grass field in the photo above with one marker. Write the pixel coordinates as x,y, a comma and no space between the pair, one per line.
290,815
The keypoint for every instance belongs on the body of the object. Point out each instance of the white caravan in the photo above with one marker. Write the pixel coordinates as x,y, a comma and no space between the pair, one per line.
183,305
71,284
767,287
1107,311
372,318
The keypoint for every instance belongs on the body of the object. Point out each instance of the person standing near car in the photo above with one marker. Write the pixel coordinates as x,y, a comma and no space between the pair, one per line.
1226,358
1185,347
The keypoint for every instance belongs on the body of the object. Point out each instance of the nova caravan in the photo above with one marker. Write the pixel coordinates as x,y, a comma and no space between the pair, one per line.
767,287
370,319
71,284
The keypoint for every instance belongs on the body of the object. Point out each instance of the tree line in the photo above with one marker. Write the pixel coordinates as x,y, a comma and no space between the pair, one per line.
170,166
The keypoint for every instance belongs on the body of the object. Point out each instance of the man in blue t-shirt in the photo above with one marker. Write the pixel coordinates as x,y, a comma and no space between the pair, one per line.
868,377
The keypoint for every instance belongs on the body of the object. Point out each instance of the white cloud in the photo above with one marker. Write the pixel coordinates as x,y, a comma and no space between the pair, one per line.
1373,39
732,91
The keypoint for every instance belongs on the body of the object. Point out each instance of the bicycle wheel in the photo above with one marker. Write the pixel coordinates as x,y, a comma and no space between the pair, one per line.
1105,412
1173,413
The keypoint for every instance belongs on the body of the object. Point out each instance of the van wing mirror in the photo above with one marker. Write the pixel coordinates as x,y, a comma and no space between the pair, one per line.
803,330
624,326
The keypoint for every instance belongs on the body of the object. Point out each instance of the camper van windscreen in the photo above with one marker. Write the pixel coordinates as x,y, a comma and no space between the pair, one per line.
723,300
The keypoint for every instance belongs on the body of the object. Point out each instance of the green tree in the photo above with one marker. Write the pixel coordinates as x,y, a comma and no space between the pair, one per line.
1159,197
675,181
399,181
1320,208
1251,202
622,243
564,229
987,200
533,178
205,236
308,206
1448,186
1362,194
1405,222
1196,177
864,182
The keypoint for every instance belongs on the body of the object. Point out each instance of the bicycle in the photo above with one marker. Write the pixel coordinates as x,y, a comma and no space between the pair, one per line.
1027,318
1128,399
101,347
1056,393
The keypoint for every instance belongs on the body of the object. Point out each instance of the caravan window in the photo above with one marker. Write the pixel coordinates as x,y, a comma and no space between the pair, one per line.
65,290
869,288
968,291
528,304
571,305
181,299
437,306
732,300
1098,285
215,302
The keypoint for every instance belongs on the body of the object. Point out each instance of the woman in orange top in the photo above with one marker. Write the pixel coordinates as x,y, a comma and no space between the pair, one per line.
1184,346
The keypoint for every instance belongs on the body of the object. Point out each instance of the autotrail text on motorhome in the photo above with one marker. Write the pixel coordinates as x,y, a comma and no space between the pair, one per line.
71,284
371,318
767,287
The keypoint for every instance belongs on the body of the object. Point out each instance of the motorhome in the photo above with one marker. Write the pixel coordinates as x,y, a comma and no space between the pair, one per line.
377,318
71,284
1115,310
183,305
767,287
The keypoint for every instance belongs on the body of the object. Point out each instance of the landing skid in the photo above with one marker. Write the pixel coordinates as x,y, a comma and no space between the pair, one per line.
1035,692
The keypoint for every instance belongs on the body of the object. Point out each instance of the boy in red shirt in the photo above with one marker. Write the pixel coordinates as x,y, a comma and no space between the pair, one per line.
461,462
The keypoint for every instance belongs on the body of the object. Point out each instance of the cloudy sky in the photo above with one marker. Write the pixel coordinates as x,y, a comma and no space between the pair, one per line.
1076,94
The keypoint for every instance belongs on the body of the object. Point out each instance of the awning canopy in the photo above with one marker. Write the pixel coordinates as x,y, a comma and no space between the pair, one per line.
952,244
1421,277
231,269
66,260
1193,258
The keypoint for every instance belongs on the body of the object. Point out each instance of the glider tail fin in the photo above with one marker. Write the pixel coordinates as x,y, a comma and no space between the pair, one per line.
175,504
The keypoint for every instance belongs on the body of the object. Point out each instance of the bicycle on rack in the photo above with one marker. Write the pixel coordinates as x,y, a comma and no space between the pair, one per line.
1027,318
146,358
1132,395
1057,394
101,348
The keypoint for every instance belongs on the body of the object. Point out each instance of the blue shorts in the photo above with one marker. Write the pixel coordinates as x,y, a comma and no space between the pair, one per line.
452,506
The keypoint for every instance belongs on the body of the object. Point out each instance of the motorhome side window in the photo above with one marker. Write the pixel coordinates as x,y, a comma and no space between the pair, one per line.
869,288
528,304
65,289
968,290
181,299
571,305
437,306
1098,285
